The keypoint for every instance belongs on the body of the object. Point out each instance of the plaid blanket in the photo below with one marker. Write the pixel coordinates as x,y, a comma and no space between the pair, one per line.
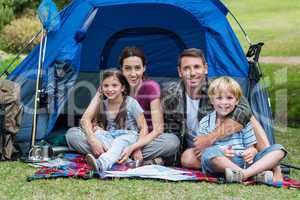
77,167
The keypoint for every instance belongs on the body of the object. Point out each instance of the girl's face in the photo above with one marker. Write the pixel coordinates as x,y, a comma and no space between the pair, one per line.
112,88
224,103
133,69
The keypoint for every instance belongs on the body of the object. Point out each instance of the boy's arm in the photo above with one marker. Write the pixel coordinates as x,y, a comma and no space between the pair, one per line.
234,123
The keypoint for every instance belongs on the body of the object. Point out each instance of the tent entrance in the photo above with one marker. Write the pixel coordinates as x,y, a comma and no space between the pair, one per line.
160,46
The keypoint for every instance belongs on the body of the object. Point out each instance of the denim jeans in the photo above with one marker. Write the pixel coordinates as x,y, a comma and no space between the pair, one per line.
214,151
115,142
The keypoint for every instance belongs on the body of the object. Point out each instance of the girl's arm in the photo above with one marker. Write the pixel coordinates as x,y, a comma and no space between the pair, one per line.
157,124
134,148
86,123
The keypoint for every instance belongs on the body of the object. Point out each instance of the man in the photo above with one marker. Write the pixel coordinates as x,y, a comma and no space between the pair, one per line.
186,102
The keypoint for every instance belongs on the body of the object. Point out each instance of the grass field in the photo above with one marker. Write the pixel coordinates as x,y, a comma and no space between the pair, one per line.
283,83
15,186
276,23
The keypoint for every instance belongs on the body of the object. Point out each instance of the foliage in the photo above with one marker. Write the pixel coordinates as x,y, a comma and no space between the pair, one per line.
6,14
7,61
15,35
61,3
10,8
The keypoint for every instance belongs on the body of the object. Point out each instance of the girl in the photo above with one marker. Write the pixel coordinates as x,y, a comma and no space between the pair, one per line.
155,144
110,123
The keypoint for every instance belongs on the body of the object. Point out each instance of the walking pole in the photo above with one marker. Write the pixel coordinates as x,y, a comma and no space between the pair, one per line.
34,153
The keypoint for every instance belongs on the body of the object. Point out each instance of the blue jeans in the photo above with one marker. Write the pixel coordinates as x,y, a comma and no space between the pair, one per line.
165,145
214,151
115,142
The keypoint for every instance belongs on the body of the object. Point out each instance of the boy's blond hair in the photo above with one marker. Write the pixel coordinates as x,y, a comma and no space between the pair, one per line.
224,83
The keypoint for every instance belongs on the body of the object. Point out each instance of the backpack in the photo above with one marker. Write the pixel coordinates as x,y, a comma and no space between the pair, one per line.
10,117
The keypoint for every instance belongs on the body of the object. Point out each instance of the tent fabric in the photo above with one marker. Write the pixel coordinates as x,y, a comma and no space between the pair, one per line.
93,33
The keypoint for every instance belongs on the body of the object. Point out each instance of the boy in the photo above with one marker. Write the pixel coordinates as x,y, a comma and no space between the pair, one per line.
235,155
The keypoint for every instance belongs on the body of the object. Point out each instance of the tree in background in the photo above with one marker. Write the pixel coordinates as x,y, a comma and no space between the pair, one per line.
11,9
18,23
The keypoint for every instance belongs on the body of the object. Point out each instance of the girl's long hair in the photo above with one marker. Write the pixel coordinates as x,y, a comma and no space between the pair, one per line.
121,117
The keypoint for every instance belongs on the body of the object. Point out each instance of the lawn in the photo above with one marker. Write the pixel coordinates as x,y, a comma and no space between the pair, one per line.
283,83
14,185
276,23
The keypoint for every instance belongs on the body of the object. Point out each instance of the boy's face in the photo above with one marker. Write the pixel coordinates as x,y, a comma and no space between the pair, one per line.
224,103
192,71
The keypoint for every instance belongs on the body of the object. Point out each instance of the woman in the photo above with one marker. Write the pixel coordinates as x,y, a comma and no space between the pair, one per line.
156,144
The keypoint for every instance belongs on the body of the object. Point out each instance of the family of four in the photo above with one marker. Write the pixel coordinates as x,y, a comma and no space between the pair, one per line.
193,123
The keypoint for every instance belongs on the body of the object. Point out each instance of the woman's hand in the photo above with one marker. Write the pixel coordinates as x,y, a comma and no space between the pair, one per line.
249,154
125,154
96,146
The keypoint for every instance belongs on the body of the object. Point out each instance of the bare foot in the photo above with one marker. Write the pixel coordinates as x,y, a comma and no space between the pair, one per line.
277,175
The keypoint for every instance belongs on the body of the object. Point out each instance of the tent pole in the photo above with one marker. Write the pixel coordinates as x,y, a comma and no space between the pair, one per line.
240,26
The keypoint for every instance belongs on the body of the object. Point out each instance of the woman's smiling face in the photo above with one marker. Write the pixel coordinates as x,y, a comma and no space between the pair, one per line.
133,69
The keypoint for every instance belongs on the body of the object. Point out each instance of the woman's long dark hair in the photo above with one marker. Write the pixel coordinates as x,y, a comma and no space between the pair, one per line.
130,52
121,117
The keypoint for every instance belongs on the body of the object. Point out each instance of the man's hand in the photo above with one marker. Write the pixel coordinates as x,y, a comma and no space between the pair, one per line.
202,142
125,154
97,147
249,154
137,155
228,152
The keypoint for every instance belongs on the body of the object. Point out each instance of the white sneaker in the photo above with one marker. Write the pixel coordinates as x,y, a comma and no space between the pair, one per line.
233,176
92,162
264,177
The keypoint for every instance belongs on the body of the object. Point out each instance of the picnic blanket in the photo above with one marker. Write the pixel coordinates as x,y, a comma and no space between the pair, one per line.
74,165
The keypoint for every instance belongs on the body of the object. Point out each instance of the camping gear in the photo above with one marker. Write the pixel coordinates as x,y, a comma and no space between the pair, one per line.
10,117
92,34
50,20
40,153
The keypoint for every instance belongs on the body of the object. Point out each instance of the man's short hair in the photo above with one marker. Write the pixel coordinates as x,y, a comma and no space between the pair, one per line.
192,52
224,83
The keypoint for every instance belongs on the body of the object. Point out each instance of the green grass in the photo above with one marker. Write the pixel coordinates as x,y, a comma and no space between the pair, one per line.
283,84
6,62
14,185
276,23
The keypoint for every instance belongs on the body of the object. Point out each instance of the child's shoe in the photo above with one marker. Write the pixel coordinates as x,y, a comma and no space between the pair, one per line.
155,161
233,176
92,162
263,177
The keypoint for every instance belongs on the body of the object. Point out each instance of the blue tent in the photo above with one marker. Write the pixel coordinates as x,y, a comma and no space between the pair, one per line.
91,37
